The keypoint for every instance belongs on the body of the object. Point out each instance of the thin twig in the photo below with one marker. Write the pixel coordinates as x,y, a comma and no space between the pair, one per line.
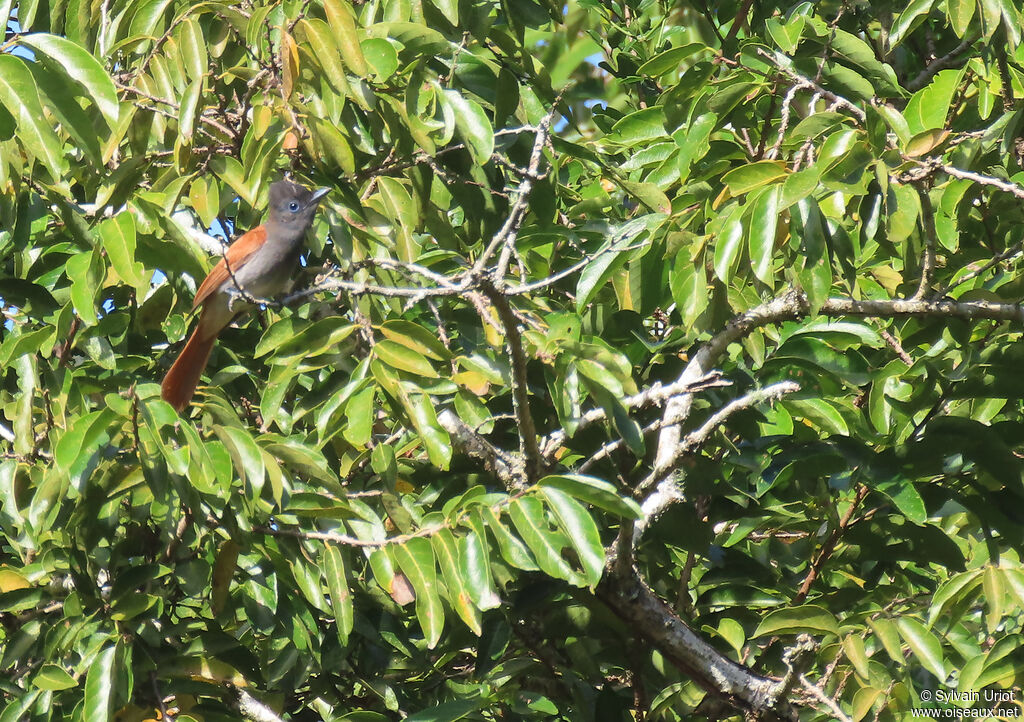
506,235
949,60
930,243
656,393
784,65
528,445
787,107
895,345
829,545
984,180
820,695
1015,250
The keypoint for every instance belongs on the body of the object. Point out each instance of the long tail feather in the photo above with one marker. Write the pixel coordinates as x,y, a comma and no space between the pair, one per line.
181,380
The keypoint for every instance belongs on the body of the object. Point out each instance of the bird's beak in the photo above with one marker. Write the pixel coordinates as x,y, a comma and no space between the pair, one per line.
317,195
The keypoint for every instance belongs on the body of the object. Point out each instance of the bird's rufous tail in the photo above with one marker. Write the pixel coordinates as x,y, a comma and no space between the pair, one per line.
182,378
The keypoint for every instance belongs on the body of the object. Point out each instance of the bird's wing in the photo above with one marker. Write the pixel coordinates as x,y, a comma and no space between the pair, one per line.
237,255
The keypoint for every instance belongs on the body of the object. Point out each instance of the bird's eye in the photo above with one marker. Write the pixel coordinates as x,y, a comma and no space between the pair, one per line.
293,206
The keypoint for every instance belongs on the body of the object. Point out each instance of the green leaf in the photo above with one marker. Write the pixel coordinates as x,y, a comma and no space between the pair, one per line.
83,270
325,51
754,175
342,21
906,497
927,108
359,415
819,412
608,259
763,221
648,194
447,553
118,237
512,549
381,57
81,67
435,438
450,10
885,630
924,645
960,14
224,567
809,618
246,455
641,126
527,515
908,19
475,569
58,94
952,592
337,584
786,35
593,491
579,526
689,286
995,597
335,146
403,358
316,338
189,110
416,337
727,247
20,96
853,645
54,678
193,48
669,60
416,559
99,687
447,712
472,125
858,52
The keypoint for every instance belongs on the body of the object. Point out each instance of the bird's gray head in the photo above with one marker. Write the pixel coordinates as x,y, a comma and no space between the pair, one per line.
292,206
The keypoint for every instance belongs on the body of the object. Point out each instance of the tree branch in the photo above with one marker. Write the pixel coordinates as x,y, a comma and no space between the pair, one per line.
784,65
949,60
829,546
506,235
930,243
655,621
789,306
528,445
668,491
656,393
820,695
496,461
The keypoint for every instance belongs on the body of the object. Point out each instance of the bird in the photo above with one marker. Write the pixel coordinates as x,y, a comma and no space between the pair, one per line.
258,264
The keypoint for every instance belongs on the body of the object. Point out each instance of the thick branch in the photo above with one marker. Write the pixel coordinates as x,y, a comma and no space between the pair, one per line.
657,623
668,491
496,461
949,60
785,66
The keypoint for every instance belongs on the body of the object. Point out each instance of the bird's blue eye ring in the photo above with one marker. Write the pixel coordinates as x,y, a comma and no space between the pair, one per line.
293,207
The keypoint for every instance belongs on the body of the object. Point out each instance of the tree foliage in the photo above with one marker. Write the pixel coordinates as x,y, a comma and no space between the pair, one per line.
650,360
